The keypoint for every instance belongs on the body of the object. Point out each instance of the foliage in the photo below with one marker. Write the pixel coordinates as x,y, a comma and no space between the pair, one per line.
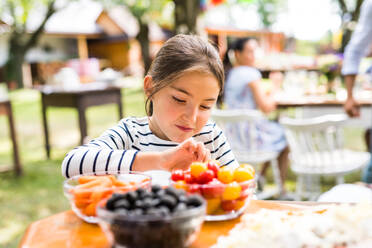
146,10
266,9
349,12
17,12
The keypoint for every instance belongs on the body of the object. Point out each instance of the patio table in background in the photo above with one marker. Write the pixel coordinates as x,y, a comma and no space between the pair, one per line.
6,108
317,105
82,97
67,230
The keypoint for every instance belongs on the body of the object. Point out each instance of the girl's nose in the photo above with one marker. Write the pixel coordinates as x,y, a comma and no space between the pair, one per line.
192,113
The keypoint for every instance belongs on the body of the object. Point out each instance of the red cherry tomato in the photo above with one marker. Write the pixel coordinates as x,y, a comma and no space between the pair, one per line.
194,189
213,189
177,175
228,205
214,167
189,179
205,177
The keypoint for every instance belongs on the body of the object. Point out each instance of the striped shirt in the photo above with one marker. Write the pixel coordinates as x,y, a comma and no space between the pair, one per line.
116,149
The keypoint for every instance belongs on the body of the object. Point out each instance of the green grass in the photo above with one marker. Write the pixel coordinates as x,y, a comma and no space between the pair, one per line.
38,193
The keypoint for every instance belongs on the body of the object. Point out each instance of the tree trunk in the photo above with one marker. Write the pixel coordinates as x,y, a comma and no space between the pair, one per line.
13,66
346,36
143,38
18,47
347,32
185,16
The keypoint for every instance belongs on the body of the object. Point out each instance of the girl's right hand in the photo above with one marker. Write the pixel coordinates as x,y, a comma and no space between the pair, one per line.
181,156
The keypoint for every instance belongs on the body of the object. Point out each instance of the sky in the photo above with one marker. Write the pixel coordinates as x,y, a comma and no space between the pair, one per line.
309,19
303,19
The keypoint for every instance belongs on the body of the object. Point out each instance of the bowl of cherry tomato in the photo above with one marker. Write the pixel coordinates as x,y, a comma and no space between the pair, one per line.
226,190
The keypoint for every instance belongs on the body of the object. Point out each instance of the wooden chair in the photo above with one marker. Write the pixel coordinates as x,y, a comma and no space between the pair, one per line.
317,149
240,130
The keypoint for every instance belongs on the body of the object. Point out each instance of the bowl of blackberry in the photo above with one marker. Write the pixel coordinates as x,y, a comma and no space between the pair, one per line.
159,217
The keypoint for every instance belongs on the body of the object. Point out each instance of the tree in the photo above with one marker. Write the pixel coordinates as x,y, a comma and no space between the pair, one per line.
20,39
185,16
349,16
145,11
267,10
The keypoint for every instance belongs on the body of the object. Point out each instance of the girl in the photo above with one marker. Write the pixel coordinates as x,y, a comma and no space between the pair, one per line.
181,86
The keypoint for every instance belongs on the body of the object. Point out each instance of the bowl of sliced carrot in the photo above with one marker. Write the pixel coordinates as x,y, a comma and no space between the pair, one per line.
85,191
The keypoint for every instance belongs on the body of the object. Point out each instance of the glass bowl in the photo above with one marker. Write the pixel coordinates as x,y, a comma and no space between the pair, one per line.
85,191
224,201
127,231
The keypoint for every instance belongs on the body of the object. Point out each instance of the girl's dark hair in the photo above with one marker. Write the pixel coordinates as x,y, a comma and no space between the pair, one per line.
179,55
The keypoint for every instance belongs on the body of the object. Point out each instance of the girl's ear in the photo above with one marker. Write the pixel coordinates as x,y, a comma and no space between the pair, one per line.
148,85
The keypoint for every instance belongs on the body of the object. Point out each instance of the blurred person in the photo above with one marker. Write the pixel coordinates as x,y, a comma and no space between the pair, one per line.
357,48
181,87
244,90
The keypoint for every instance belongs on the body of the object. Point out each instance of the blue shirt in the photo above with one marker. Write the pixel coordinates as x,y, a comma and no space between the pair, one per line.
238,95
237,92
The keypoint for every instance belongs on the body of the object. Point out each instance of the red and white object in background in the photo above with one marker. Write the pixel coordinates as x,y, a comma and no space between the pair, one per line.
87,69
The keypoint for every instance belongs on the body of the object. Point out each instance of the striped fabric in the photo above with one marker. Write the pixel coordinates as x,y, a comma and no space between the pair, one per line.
116,149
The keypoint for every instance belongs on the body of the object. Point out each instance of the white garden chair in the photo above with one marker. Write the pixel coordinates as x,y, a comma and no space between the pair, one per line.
317,149
243,142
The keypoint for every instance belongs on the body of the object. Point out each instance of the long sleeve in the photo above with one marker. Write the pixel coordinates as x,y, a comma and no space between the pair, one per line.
215,140
222,150
108,153
360,41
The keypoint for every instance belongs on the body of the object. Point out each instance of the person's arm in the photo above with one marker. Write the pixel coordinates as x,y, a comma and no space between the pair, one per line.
360,41
355,50
264,101
351,106
112,152
179,157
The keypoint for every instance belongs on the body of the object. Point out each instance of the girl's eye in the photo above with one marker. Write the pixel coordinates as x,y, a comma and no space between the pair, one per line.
205,107
178,100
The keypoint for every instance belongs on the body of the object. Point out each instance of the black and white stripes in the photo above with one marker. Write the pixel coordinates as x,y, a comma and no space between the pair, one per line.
116,149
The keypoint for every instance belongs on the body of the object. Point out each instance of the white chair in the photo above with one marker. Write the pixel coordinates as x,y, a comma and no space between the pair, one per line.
317,149
239,128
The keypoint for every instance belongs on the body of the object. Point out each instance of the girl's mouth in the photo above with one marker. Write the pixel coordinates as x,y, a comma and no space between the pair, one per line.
184,129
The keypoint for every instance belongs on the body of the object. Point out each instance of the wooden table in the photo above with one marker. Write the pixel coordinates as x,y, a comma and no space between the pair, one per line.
80,98
316,105
6,109
66,230
285,100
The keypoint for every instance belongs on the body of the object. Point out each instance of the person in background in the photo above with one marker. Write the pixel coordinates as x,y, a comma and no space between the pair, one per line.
358,46
244,90
181,86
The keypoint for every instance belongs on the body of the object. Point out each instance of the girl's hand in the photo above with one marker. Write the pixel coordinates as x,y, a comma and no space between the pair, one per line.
181,156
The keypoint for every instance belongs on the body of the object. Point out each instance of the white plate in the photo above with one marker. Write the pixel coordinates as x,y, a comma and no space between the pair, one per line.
159,177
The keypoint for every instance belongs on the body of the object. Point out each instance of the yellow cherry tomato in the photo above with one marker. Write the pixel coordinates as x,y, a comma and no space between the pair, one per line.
197,168
232,191
225,174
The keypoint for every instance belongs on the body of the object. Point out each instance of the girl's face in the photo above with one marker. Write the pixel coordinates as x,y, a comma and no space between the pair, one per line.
181,109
